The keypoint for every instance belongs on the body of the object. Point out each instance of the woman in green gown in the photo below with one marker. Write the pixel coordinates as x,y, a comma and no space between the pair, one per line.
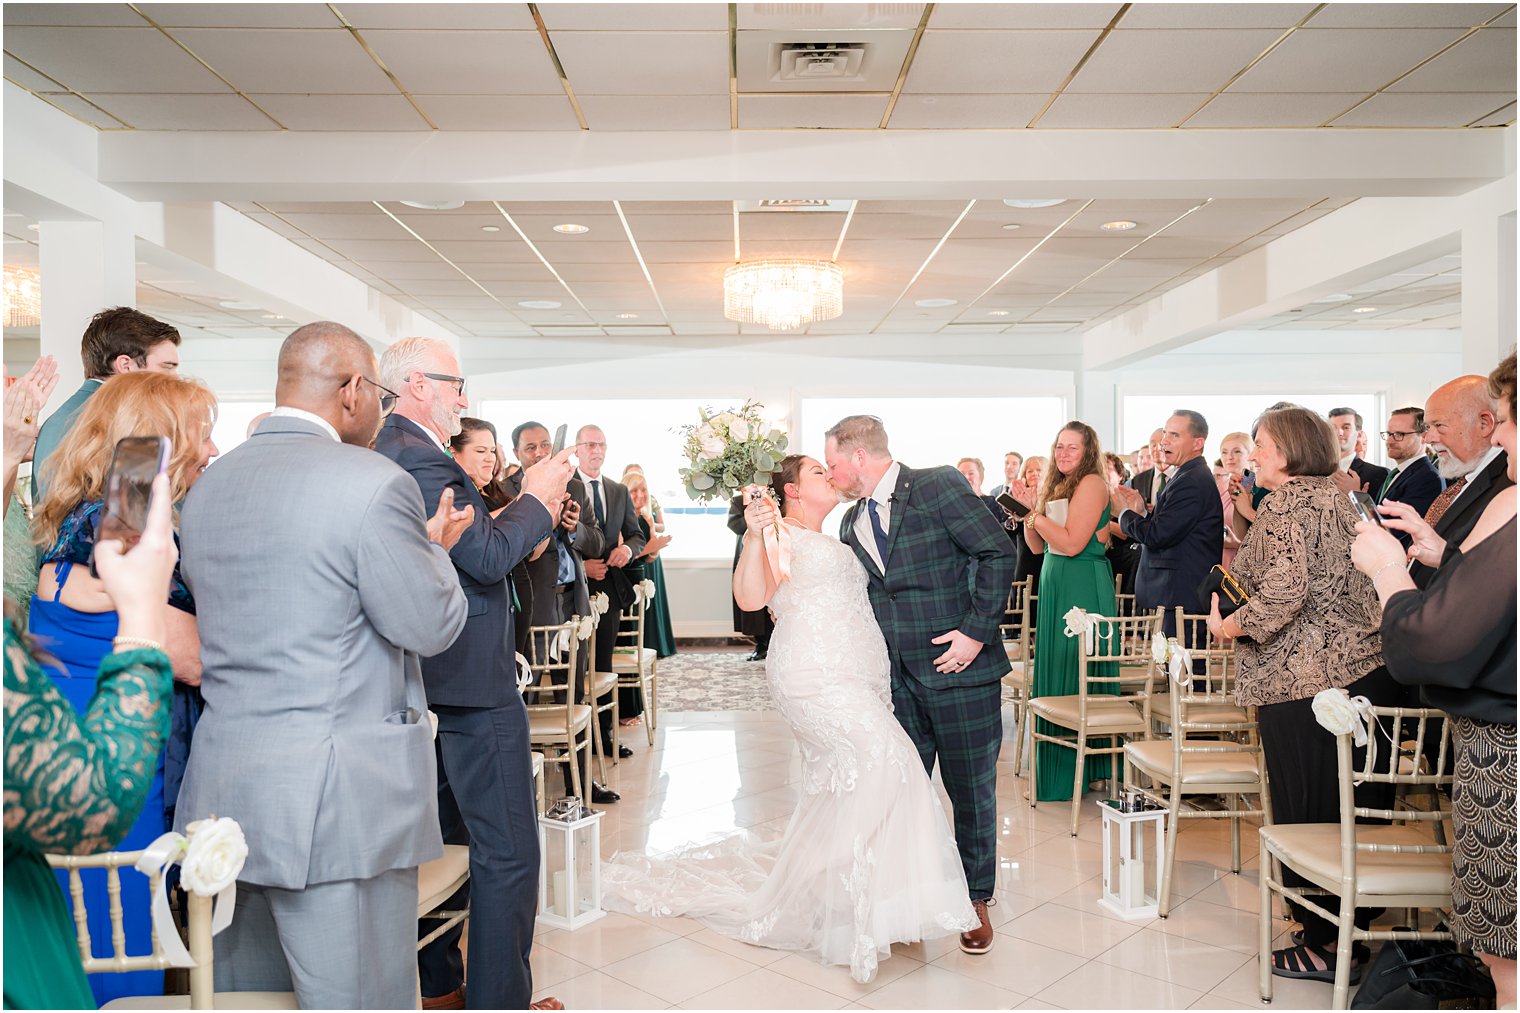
1069,512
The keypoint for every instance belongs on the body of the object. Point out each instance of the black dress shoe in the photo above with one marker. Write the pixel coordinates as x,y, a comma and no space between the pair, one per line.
624,752
603,796
757,655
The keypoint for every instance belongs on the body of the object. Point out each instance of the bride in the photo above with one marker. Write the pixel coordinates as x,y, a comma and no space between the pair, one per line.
868,858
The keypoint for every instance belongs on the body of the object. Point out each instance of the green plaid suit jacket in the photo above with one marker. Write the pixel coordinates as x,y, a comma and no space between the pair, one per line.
949,565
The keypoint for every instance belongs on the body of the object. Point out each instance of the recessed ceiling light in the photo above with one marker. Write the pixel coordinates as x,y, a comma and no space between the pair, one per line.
1117,226
538,304
933,304
1365,309
572,229
434,205
35,227
238,304
1011,226
490,228
997,313
1034,202
273,316
627,316
1336,297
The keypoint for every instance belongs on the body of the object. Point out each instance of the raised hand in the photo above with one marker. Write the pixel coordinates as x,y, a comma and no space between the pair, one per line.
760,512
547,479
1021,492
138,581
24,401
447,524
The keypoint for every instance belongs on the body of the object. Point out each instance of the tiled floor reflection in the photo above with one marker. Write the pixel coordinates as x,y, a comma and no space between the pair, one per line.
712,774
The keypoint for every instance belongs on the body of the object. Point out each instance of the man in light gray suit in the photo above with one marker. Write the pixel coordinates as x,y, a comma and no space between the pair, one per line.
318,581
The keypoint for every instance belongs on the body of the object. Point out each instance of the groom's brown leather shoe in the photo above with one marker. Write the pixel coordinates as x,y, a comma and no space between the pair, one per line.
979,939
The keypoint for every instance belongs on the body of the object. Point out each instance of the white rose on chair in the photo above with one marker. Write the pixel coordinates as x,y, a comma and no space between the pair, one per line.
1339,713
646,588
585,626
214,856
600,603
1159,649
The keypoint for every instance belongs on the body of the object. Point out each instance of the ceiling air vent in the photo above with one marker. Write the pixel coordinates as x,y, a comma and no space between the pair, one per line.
820,61
794,204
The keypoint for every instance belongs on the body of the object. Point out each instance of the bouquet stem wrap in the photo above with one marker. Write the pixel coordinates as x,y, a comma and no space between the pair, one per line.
776,540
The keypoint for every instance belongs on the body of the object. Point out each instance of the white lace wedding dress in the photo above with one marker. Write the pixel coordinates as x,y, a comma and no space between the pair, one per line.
868,858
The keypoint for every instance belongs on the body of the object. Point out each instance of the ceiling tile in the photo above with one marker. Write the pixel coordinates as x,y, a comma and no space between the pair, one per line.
366,223
90,59
1170,60
289,62
467,62
1482,62
927,112
981,62
655,112
1400,109
499,112
642,17
657,228
342,112
440,16
187,112
1402,15
1022,15
811,17
1215,15
83,110
781,111
632,63
1119,111
31,80
109,15
1498,117
1271,109
222,15
1313,60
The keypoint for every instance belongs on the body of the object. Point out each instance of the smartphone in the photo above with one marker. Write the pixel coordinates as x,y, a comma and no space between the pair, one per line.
1013,506
1248,482
1364,507
559,440
135,463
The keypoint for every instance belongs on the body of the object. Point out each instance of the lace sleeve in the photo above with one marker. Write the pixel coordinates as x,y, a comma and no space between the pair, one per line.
76,784
1283,587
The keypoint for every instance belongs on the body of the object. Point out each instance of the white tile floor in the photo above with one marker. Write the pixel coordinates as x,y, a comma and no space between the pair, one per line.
710,774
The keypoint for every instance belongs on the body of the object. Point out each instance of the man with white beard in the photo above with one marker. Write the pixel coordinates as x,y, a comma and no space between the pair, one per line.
1460,420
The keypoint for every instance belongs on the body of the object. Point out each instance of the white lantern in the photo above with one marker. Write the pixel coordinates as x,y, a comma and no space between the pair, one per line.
570,869
1131,877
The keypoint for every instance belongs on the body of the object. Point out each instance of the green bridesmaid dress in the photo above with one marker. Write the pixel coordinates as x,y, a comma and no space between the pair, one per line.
1084,581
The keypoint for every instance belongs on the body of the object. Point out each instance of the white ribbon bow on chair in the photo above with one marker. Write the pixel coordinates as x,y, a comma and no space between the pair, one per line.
524,680
210,860
1340,713
1080,624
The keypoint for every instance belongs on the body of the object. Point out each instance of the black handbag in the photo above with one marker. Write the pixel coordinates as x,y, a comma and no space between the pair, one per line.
1424,974
1231,595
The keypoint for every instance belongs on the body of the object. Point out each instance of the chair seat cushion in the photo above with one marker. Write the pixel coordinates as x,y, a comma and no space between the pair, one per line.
549,725
1154,756
602,682
438,879
1314,850
1016,676
1103,713
222,1000
626,662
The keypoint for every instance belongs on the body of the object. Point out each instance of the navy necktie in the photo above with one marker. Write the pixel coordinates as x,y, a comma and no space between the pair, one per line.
881,536
596,501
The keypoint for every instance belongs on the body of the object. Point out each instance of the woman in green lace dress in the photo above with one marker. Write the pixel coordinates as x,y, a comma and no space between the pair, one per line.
1071,510
75,784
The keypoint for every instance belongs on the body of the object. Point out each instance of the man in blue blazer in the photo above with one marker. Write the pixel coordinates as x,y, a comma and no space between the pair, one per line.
1413,479
485,771
1182,538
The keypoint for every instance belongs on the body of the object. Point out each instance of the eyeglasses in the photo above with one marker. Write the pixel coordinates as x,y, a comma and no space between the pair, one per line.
445,378
1391,434
388,397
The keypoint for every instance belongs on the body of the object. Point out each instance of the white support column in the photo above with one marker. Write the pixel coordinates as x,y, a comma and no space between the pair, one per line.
1097,405
1488,289
86,267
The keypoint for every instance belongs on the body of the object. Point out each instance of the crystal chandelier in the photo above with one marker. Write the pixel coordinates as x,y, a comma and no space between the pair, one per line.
23,297
783,294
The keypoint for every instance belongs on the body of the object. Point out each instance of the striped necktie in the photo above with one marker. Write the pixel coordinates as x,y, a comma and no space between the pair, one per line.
1443,502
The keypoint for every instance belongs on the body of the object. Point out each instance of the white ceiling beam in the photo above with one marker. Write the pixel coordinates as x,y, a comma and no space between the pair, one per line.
1352,246
716,165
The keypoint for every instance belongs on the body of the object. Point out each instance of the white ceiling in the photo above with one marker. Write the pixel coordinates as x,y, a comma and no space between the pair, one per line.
471,67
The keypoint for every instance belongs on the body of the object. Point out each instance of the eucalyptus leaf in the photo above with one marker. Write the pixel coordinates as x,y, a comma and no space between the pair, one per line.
702,480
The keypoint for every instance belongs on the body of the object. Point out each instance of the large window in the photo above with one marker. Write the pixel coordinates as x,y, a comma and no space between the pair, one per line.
232,418
639,432
1228,413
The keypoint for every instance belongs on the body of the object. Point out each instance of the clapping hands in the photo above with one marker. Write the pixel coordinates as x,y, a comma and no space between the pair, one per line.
447,524
24,401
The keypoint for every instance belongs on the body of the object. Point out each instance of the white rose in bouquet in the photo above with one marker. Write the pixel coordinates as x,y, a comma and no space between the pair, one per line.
711,443
214,856
723,422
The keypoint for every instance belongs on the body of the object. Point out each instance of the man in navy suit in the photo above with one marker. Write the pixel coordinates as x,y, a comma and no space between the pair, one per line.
1354,473
1182,539
485,775
1413,478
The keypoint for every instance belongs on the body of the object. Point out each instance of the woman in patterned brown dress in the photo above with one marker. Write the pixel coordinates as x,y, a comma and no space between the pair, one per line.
1456,641
1311,624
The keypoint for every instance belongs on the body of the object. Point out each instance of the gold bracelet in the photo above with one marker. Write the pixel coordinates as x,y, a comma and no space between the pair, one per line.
136,643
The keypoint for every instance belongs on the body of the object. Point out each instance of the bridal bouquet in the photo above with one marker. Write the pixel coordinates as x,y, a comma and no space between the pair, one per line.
730,450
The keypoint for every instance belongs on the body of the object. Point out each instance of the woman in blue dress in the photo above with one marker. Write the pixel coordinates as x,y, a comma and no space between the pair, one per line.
74,620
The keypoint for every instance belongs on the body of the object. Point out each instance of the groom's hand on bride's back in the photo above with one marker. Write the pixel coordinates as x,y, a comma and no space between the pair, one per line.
959,655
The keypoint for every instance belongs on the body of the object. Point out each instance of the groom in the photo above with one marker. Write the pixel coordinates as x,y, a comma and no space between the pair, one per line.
939,568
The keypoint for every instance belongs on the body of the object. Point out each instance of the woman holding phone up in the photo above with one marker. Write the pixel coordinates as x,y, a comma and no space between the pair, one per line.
75,619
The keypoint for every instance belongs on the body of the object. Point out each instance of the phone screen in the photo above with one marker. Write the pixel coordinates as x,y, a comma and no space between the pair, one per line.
1364,507
136,461
559,439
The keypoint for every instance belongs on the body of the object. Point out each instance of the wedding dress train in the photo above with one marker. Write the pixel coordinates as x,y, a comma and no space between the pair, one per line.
868,858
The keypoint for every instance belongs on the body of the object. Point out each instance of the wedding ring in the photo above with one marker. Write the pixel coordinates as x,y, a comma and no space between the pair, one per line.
27,419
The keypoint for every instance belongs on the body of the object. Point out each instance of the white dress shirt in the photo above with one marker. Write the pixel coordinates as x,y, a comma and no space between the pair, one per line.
287,412
883,498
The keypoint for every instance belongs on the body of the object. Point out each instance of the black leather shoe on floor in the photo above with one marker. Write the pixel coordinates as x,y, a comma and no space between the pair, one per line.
755,656
603,796
624,752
